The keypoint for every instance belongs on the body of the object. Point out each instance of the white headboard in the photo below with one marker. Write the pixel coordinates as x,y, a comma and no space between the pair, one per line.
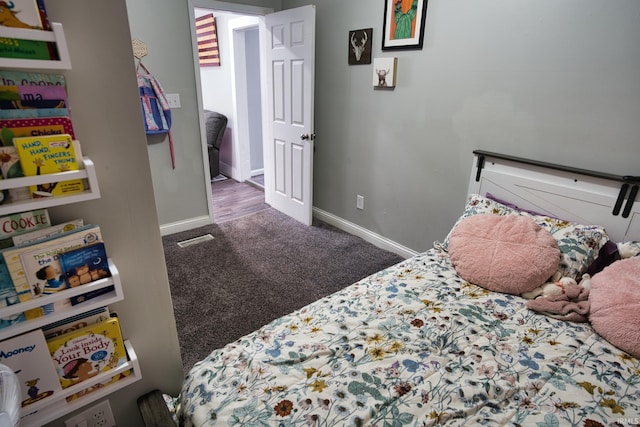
568,193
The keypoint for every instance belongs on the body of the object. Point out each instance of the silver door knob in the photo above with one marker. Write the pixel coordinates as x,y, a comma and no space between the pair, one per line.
308,137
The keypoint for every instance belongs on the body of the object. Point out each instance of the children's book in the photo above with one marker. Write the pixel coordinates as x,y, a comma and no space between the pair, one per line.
42,254
84,265
24,104
42,155
28,355
11,168
24,14
47,232
87,352
8,296
32,93
22,223
32,113
97,315
37,126
25,78
26,49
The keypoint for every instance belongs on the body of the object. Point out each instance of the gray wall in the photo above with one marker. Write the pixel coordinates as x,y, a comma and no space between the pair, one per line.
106,114
548,80
554,81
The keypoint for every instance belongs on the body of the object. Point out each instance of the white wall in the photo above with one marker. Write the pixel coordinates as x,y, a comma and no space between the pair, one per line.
105,109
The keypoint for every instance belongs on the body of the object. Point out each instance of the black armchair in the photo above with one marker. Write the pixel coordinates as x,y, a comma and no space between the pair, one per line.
215,124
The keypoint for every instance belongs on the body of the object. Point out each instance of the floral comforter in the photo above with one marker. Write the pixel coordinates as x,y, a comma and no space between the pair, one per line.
414,345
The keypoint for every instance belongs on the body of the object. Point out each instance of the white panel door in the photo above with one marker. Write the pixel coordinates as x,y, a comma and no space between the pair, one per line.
289,46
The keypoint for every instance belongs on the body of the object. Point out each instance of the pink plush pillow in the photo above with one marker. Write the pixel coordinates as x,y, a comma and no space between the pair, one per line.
615,304
510,253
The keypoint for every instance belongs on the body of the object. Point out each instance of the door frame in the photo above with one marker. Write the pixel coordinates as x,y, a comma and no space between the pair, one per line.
222,6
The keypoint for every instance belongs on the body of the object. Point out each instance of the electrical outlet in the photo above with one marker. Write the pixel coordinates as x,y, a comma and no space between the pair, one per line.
360,202
99,415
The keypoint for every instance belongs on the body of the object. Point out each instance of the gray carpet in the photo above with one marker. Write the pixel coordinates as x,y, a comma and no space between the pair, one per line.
256,269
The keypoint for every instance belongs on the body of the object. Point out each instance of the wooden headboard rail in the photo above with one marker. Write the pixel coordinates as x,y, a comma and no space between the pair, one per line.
628,189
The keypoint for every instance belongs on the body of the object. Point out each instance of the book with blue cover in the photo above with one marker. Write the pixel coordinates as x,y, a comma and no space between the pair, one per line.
84,265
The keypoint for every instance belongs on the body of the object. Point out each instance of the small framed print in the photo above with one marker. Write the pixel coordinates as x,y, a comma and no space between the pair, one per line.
360,46
384,72
403,25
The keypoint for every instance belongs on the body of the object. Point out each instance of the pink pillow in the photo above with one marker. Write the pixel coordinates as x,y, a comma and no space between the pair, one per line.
615,304
510,253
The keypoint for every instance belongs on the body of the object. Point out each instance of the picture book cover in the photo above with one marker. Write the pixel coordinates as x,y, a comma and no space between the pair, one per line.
32,113
28,355
32,93
97,315
11,168
37,126
42,254
8,296
26,49
24,14
87,352
27,78
41,155
84,265
47,232
21,223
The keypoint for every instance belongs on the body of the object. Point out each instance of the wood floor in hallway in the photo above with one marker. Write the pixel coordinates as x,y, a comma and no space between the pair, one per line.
233,199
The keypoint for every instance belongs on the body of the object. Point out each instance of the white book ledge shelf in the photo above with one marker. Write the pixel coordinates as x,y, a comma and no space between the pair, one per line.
100,301
55,407
87,172
56,36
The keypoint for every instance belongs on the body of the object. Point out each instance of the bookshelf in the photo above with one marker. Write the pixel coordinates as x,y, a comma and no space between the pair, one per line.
57,406
56,36
87,172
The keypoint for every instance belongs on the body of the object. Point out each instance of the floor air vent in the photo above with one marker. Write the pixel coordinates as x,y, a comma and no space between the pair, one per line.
195,240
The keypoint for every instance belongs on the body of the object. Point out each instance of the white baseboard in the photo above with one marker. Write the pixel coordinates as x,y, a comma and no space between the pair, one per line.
369,236
342,224
189,224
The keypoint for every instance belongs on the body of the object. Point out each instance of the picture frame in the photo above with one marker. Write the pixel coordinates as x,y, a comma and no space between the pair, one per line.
360,46
384,72
404,24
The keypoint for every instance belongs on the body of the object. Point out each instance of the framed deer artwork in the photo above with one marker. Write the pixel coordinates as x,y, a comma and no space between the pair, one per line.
360,46
404,22
384,72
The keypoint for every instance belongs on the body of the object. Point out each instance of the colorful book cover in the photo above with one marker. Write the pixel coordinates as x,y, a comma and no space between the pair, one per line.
41,255
42,155
9,93
87,352
28,355
32,93
24,104
8,296
97,315
99,385
32,113
37,126
44,17
11,168
84,265
25,49
21,223
47,232
24,14
25,78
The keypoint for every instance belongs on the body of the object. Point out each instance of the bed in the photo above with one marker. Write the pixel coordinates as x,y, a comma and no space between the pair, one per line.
417,344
